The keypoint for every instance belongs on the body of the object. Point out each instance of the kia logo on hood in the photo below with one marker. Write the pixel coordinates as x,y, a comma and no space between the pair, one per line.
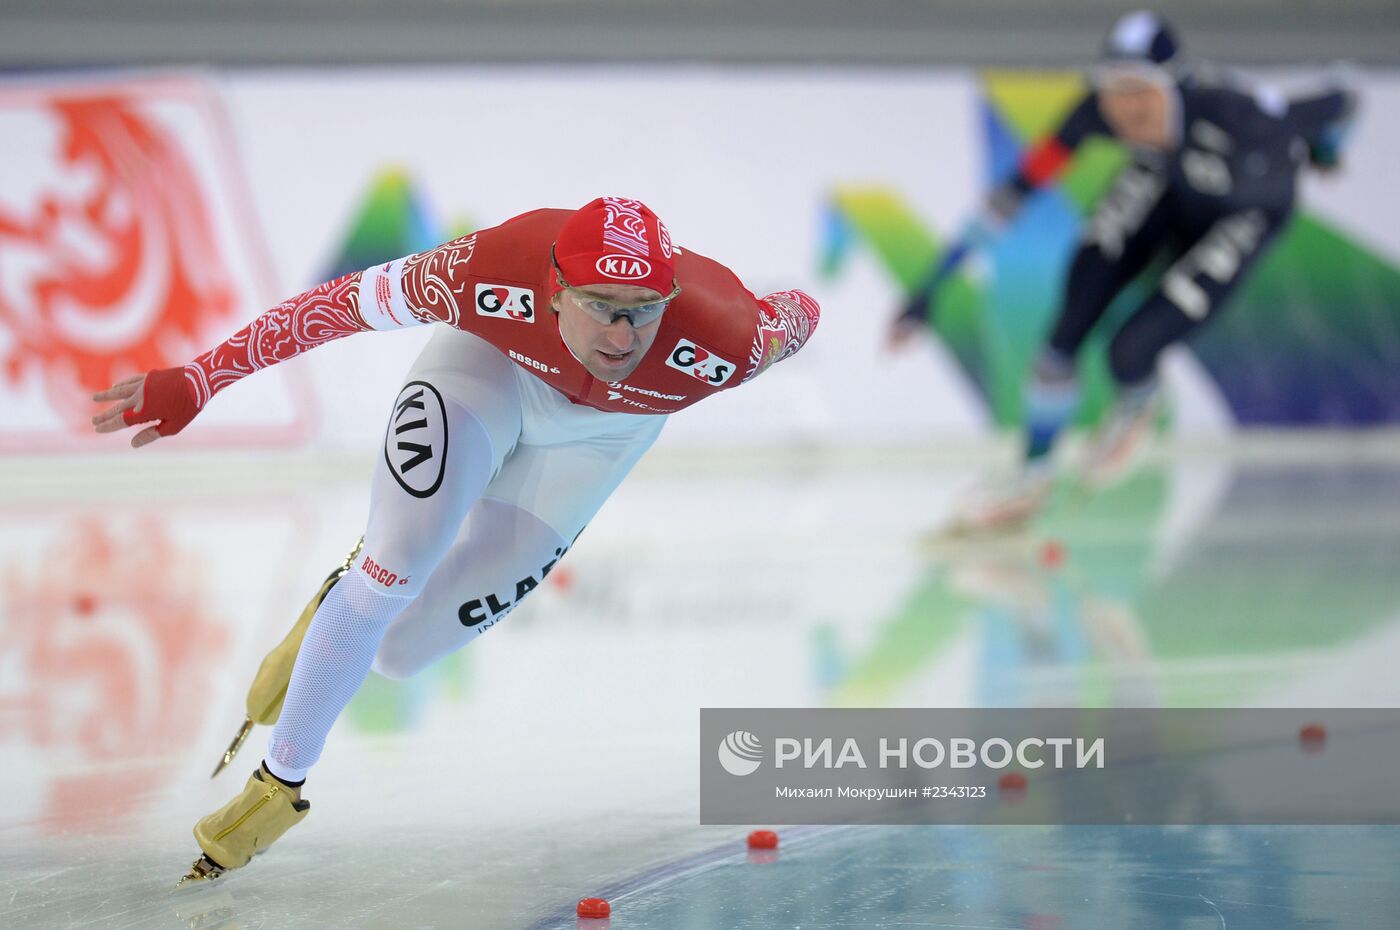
624,267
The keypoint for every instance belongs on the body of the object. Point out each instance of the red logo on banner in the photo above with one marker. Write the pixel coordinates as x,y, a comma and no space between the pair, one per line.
125,245
114,260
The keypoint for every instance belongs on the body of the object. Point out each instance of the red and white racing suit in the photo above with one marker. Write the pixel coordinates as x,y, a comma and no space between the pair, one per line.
500,446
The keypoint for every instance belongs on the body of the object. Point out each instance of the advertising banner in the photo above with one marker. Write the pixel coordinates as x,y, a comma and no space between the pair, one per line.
141,220
127,243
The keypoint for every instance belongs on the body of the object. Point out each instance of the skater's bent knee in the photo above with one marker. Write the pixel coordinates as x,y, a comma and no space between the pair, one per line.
1132,361
378,581
390,570
393,665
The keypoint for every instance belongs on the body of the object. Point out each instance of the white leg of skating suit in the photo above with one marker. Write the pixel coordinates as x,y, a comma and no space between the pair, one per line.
444,560
524,524
449,430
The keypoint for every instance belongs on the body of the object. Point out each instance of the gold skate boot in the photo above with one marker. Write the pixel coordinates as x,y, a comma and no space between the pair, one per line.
245,826
269,686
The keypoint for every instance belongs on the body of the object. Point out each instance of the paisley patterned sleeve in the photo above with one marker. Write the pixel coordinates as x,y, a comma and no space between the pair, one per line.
786,320
430,287
172,397
412,291
287,330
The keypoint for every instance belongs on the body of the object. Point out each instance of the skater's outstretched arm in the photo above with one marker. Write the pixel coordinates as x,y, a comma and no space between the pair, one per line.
360,302
172,397
1324,120
786,320
1042,162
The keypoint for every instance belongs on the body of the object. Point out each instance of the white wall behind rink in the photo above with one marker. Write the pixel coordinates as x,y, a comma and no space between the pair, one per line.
738,164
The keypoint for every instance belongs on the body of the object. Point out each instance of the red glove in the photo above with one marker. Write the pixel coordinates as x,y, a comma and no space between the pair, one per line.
168,398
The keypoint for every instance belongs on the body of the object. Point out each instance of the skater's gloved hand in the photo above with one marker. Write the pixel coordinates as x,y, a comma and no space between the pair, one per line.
903,329
163,397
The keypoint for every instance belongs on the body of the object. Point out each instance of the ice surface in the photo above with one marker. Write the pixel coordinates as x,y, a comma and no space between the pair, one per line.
556,758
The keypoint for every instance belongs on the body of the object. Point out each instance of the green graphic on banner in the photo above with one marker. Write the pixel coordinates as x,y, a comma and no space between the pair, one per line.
393,220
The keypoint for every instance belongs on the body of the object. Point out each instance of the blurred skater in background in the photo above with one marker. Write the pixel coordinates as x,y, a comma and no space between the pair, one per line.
1211,182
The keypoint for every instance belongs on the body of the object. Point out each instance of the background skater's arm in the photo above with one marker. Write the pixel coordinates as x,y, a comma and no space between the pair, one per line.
1041,164
1324,120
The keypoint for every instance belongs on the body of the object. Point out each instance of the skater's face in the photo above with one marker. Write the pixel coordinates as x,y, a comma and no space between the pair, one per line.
609,350
1138,111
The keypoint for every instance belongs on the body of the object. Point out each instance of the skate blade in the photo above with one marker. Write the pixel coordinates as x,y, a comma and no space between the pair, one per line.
959,537
1107,478
210,908
1106,472
1096,476
201,874
238,740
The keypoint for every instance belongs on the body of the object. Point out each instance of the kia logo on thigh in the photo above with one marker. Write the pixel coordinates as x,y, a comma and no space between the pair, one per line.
415,444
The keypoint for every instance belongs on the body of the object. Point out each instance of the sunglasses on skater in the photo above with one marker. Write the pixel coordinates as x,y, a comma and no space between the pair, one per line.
608,312
1130,77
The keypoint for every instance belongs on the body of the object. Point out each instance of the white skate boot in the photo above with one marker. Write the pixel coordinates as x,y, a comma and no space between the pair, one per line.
1121,439
1005,505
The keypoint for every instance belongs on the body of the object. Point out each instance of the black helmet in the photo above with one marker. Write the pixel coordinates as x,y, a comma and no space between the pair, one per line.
1141,37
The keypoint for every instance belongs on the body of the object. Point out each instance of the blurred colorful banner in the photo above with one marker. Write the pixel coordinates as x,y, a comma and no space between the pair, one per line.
143,219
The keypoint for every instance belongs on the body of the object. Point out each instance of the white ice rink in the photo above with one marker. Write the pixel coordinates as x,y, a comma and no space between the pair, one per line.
557,757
